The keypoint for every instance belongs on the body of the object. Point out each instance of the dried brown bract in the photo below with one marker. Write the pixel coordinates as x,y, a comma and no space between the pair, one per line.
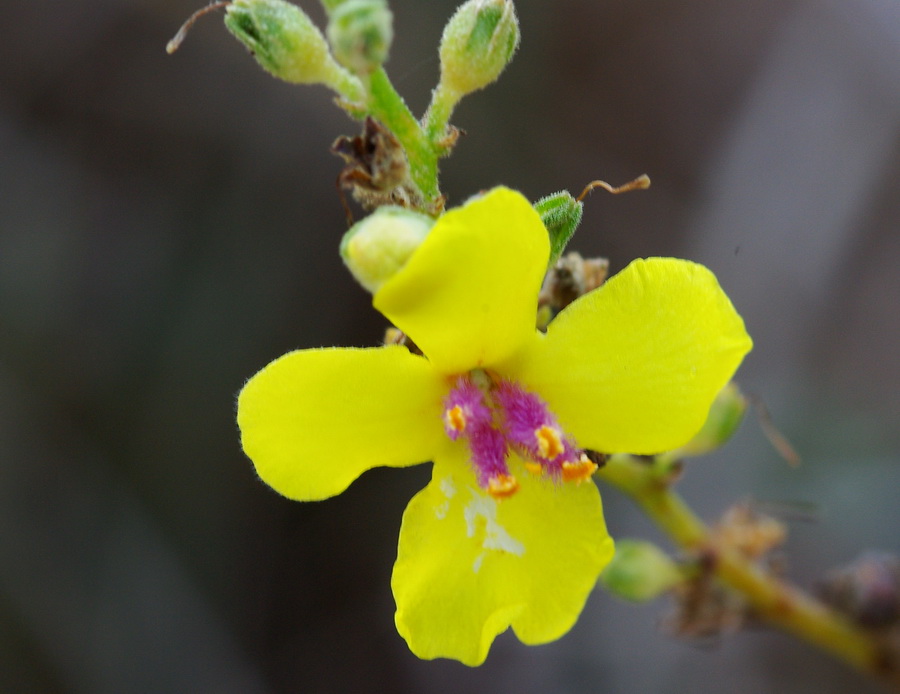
705,609
572,276
377,170
752,533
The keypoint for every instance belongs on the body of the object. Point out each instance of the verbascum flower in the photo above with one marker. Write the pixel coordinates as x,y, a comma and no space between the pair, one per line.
510,530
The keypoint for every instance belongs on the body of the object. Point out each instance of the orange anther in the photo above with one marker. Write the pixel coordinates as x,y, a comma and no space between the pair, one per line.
455,418
578,471
502,486
534,468
549,442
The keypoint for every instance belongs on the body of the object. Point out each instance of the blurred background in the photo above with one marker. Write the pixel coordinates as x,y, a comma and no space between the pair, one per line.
168,225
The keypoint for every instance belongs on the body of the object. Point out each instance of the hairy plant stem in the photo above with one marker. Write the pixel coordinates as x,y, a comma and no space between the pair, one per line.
772,599
388,106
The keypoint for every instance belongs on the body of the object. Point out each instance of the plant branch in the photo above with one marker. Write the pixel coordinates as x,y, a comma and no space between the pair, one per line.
772,599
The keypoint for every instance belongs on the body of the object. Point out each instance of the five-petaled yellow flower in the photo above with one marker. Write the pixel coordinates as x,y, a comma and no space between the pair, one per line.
510,530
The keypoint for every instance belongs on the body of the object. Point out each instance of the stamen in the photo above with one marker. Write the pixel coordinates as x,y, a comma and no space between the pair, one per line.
549,442
578,471
502,486
465,409
488,449
455,419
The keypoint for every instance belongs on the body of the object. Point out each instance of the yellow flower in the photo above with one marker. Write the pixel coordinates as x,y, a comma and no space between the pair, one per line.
510,538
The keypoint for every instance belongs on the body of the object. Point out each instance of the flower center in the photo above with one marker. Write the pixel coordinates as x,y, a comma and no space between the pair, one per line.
496,416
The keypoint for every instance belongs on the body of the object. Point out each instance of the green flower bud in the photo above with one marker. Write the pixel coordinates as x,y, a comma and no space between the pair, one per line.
478,42
377,247
331,5
360,33
639,572
561,214
725,414
287,44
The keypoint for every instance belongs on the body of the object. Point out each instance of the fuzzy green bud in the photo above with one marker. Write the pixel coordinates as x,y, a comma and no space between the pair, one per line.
377,247
725,415
477,44
639,572
287,44
360,33
331,5
561,214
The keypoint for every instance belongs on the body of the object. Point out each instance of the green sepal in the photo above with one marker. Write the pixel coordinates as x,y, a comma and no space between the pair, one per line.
561,214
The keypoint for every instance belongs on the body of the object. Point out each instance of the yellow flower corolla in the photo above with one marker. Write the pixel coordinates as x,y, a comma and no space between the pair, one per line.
631,367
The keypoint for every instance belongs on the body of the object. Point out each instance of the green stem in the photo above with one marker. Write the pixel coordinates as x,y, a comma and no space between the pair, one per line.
388,106
348,86
772,599
439,111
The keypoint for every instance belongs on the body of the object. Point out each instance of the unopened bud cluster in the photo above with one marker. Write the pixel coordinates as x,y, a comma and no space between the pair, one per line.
477,44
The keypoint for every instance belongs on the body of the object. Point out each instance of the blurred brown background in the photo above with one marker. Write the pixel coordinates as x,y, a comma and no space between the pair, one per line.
169,224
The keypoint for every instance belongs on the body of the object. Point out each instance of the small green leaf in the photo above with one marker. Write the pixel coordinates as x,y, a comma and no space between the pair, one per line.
561,214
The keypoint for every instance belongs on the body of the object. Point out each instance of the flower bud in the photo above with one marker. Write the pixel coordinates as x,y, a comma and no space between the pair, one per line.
360,33
331,5
639,572
377,247
723,419
285,42
561,214
478,42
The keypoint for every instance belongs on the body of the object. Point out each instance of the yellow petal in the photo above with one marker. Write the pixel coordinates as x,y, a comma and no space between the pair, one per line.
635,365
469,566
314,420
468,295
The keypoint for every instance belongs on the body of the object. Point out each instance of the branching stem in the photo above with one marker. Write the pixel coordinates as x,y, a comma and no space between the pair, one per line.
772,599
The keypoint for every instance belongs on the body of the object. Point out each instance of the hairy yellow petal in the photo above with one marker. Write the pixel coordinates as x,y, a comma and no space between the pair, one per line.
635,365
468,294
469,566
314,420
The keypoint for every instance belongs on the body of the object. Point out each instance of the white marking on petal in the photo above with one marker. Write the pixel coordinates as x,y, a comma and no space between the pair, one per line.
482,513
447,487
476,565
440,511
